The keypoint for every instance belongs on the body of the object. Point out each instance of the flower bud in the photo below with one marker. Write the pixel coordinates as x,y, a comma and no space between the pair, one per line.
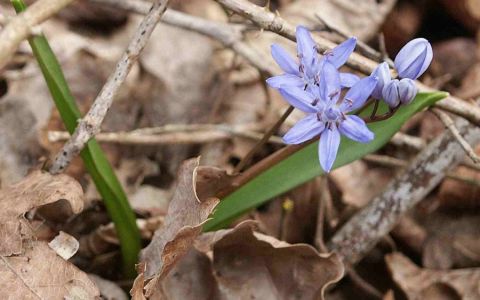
391,94
407,90
414,58
382,73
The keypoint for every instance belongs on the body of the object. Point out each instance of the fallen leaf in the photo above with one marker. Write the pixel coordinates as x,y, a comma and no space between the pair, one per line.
250,265
35,190
64,245
39,273
418,283
138,284
183,223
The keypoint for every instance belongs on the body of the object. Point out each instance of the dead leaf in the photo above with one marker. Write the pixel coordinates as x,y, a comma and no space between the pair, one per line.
137,288
41,274
250,265
358,183
35,190
428,284
183,223
64,245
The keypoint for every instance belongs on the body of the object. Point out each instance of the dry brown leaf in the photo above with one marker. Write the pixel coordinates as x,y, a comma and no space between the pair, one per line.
428,284
250,265
358,183
41,274
137,288
35,190
239,263
183,223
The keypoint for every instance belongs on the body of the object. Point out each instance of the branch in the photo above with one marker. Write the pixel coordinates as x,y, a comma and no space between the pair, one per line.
448,122
360,234
90,124
21,26
173,134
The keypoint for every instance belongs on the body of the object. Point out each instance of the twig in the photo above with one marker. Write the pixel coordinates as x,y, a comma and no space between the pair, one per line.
246,160
21,26
173,134
401,139
90,124
448,122
362,47
367,227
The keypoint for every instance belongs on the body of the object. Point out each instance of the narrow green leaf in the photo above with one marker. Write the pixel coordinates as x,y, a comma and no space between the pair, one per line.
93,157
303,165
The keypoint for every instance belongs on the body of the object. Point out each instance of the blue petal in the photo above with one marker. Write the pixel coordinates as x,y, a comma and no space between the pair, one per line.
358,94
391,93
414,58
328,147
347,80
382,72
355,129
305,129
407,90
307,52
306,46
339,55
284,60
329,83
287,80
298,98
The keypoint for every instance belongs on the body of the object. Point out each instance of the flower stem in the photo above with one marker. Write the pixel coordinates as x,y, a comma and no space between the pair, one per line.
246,160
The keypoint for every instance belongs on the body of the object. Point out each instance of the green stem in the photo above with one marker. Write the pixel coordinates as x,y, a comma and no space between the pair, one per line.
94,158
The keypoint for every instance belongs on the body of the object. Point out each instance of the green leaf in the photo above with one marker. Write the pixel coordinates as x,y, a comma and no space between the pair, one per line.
93,157
303,165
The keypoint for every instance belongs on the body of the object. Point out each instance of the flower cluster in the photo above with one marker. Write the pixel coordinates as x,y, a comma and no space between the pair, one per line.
315,86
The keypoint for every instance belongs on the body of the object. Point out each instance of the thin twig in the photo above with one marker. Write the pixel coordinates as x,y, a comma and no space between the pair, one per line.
388,161
362,47
173,134
448,122
368,226
21,26
90,124
246,160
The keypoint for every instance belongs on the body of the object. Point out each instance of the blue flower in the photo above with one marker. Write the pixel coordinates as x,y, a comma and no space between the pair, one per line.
304,73
411,62
382,72
414,58
327,113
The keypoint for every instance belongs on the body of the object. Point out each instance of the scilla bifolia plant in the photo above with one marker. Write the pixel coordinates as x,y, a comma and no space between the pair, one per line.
314,85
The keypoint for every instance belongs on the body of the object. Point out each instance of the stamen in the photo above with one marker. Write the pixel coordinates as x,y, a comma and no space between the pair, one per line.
315,102
333,94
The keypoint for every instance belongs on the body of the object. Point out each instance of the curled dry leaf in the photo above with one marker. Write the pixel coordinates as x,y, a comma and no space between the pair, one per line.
186,214
35,190
41,274
249,265
428,284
